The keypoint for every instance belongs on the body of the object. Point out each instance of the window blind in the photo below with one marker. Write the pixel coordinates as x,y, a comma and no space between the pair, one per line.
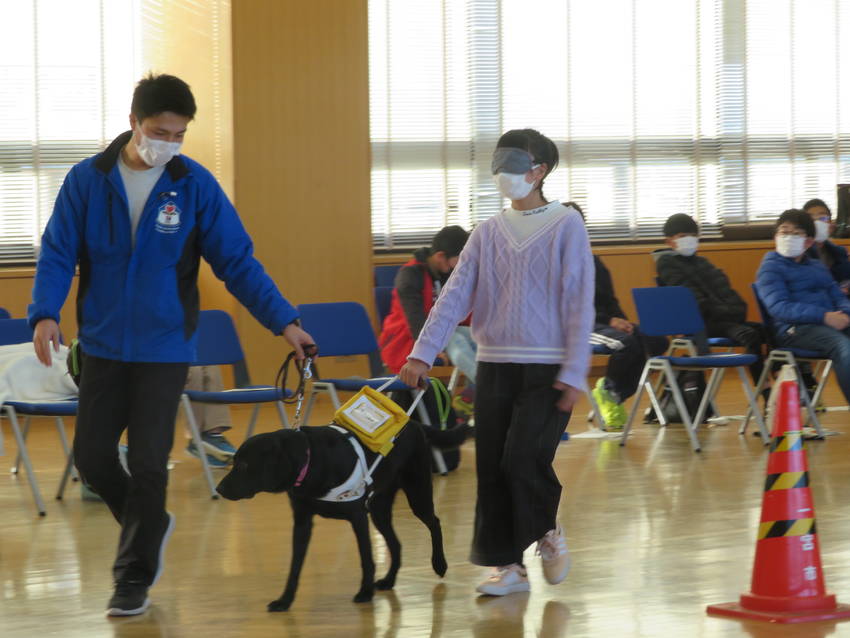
727,110
68,70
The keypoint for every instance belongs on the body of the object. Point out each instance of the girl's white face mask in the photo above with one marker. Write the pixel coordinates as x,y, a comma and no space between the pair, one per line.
687,245
156,152
513,186
790,245
821,230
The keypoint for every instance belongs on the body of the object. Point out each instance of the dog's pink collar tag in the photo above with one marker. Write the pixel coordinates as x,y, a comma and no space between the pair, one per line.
303,471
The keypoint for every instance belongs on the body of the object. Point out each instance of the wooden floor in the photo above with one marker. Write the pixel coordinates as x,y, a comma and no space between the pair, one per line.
656,533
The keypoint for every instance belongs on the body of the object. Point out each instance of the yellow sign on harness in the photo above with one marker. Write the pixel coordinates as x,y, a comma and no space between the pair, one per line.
374,418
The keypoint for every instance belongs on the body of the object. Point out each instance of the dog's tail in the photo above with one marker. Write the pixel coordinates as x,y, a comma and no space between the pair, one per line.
447,439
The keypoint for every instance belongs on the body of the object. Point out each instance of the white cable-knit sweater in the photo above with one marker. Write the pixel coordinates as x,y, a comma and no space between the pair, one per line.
531,300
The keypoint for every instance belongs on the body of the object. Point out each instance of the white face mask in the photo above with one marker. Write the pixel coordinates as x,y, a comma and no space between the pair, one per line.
512,186
790,245
156,152
687,245
821,230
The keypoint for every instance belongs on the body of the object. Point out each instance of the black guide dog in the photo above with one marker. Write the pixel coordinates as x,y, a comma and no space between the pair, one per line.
275,462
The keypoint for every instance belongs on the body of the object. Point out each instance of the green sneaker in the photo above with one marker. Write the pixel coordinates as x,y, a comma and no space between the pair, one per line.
613,413
463,408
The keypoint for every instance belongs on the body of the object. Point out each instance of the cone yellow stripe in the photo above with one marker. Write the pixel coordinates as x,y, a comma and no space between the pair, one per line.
777,529
786,481
791,441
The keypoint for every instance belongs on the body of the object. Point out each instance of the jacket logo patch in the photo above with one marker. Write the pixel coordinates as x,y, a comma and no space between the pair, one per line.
168,218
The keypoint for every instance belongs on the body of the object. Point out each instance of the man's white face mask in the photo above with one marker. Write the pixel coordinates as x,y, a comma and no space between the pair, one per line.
156,152
687,245
821,230
790,245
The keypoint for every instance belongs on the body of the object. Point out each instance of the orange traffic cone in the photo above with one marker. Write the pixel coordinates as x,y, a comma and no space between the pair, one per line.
788,583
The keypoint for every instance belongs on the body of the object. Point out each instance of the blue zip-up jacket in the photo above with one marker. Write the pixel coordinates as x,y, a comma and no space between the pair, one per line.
141,303
840,267
797,292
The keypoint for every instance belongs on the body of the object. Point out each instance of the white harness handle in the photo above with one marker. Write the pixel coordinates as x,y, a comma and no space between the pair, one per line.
420,392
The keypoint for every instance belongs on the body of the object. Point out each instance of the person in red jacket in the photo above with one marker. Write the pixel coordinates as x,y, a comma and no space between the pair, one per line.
417,286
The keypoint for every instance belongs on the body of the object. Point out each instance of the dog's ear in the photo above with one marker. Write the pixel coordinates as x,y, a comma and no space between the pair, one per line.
285,457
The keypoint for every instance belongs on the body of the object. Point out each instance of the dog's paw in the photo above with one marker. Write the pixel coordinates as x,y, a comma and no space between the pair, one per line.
439,565
281,604
364,596
385,584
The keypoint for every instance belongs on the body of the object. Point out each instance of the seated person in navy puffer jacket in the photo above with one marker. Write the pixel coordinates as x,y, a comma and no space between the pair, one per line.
808,308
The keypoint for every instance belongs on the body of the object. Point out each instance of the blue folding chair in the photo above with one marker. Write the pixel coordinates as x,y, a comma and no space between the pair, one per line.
218,344
791,356
14,331
343,329
669,311
385,275
383,302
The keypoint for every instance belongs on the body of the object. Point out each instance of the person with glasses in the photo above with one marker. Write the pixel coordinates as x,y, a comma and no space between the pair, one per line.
807,306
831,255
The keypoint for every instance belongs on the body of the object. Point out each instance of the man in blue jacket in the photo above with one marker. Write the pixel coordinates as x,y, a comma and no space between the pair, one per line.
800,294
136,219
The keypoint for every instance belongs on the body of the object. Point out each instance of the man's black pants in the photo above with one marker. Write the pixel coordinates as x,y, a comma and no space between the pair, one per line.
143,399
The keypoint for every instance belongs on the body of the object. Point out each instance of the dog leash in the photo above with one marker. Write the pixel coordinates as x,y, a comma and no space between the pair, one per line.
305,373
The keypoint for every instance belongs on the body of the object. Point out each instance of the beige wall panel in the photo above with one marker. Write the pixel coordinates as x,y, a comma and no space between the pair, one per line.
16,295
301,121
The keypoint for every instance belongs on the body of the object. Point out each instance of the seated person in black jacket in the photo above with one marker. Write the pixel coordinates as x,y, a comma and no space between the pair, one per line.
831,255
723,310
626,364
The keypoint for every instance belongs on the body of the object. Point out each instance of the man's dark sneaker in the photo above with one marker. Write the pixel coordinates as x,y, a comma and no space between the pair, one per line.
129,599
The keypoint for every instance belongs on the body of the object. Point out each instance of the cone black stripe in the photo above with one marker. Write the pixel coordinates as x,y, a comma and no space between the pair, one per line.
791,441
777,529
786,481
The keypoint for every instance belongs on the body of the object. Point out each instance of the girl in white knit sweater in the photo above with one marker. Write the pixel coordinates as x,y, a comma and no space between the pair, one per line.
526,275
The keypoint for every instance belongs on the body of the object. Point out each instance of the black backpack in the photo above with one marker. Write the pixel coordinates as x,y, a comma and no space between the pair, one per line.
432,406
692,384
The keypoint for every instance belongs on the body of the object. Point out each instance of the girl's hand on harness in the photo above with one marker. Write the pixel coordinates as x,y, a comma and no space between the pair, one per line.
299,340
415,373
569,396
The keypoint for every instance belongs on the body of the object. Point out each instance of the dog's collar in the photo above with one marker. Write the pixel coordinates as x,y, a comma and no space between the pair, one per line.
303,472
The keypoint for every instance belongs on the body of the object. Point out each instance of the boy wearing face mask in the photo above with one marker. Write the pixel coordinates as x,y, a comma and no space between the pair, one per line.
831,255
723,310
136,219
806,304
417,286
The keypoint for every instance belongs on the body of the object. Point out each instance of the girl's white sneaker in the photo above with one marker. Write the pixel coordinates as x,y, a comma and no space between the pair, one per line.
554,555
505,580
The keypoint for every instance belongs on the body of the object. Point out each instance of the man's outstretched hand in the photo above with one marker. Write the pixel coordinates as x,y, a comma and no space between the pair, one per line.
46,332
